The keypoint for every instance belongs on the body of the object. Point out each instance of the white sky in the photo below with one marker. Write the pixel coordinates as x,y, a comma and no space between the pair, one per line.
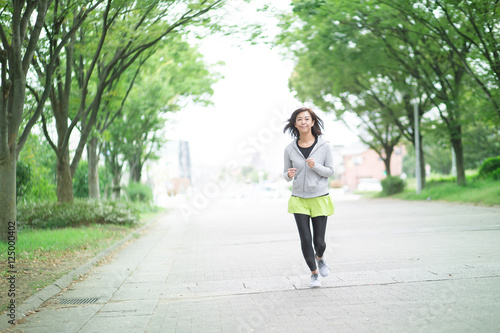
251,104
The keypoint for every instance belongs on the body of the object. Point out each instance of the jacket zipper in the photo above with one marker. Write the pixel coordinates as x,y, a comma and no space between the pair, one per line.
305,174
305,168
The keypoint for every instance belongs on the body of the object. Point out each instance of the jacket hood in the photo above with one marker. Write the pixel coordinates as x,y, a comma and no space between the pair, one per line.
321,142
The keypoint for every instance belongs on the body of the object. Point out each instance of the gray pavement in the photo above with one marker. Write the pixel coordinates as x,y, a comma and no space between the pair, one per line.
237,267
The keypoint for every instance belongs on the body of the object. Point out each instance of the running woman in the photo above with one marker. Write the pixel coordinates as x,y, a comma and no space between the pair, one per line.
308,161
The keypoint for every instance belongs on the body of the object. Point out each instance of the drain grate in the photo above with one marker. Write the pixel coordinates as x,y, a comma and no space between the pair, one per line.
75,301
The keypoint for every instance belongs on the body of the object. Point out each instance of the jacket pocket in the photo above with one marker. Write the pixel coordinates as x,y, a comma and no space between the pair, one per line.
312,182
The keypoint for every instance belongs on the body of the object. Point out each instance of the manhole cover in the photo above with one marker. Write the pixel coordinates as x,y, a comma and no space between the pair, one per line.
77,301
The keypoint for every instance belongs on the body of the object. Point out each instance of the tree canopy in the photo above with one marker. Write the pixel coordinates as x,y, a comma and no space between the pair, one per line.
378,58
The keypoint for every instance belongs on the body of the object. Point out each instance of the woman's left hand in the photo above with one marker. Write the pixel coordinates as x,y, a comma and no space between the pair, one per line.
310,162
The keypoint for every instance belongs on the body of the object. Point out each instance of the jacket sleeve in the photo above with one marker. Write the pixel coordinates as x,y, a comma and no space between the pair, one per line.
327,169
287,165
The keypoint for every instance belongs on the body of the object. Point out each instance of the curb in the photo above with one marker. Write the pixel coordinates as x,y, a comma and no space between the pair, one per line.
57,286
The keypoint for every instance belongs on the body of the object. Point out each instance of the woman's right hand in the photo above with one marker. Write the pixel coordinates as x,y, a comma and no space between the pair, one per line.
291,172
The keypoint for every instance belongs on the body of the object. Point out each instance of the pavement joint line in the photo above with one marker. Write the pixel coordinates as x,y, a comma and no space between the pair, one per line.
35,301
264,292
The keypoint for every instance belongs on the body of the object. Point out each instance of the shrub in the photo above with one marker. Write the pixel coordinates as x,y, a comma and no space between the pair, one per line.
392,185
23,179
81,180
43,185
40,158
441,179
495,175
490,169
59,215
138,192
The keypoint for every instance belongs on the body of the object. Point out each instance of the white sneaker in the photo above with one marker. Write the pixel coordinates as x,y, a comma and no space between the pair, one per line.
315,282
323,268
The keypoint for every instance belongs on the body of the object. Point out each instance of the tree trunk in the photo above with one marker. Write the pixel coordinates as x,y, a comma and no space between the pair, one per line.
64,178
459,154
135,170
387,163
8,159
116,188
8,198
116,171
93,161
422,165
387,159
138,173
117,177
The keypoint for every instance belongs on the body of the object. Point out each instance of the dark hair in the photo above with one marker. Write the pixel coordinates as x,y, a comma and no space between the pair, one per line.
290,126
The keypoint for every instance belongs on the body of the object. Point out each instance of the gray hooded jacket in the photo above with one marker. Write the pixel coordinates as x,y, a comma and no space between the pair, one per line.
309,182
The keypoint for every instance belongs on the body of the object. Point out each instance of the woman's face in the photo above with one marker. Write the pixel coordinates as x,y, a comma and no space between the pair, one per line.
304,122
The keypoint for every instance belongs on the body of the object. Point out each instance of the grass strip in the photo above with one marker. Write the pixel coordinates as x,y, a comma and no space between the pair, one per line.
45,255
481,192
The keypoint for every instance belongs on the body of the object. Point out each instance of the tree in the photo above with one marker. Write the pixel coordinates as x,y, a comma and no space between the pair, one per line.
171,77
342,79
375,130
143,141
112,43
407,47
436,68
114,162
111,109
16,54
19,43
474,22
58,86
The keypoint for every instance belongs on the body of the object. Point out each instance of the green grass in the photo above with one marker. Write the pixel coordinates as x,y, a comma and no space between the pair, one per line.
44,255
36,243
481,192
33,242
147,212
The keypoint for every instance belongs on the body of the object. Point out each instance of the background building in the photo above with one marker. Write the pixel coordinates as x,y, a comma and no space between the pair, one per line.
171,174
358,166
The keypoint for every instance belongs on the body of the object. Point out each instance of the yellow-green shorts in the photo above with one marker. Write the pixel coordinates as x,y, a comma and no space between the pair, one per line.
319,206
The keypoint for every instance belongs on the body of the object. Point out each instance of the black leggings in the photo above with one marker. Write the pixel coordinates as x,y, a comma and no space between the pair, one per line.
306,239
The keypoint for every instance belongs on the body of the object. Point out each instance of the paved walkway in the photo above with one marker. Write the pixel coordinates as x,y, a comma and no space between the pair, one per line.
237,267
